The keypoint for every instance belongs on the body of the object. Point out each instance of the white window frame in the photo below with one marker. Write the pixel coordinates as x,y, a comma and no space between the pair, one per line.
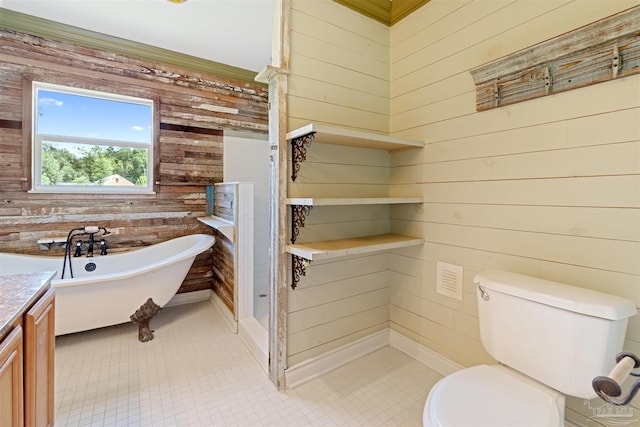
38,139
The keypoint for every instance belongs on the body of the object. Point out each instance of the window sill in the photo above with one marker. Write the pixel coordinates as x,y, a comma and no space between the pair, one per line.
94,192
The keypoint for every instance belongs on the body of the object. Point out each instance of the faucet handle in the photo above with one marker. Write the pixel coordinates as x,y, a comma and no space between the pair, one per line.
78,251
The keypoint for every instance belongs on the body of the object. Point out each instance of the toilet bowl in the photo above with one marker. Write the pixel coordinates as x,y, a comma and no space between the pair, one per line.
492,396
549,339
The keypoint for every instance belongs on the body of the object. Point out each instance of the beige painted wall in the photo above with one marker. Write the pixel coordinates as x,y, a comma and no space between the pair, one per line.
339,76
548,187
339,67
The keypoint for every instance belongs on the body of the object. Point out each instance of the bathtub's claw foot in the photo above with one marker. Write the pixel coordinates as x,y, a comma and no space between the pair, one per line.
142,317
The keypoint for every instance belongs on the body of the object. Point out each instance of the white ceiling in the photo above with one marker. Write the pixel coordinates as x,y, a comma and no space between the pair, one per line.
232,32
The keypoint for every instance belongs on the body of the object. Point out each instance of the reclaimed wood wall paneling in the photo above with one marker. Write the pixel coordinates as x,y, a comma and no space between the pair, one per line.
192,110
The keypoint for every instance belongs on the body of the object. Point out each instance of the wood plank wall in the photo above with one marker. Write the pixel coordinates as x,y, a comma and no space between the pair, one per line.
224,250
339,71
194,109
339,76
548,187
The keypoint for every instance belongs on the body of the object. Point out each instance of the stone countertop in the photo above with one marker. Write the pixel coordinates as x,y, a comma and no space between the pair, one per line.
18,292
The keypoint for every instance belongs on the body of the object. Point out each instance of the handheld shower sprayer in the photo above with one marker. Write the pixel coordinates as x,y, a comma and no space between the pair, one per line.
90,229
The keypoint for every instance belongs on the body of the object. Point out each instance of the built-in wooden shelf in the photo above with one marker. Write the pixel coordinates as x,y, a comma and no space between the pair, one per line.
226,227
327,249
303,253
340,136
319,201
301,206
301,139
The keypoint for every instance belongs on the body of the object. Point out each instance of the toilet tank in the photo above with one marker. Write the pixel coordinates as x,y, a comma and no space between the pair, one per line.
560,335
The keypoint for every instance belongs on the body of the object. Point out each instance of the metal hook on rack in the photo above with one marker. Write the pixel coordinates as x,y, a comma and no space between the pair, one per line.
608,388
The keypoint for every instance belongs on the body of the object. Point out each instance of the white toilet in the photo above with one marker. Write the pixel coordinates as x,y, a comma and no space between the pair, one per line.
551,339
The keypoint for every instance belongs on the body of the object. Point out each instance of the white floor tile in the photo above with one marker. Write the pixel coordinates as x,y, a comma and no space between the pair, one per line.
197,373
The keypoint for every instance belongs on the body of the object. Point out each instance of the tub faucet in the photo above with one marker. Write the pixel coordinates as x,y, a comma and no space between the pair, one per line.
76,233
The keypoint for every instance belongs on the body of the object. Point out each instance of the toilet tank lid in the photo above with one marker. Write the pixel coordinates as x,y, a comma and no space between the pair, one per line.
567,297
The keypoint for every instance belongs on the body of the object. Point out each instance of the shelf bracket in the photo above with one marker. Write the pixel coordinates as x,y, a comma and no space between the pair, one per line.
298,269
298,214
299,152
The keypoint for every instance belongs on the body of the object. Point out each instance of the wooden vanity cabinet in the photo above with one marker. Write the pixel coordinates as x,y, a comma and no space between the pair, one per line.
27,359
11,379
39,345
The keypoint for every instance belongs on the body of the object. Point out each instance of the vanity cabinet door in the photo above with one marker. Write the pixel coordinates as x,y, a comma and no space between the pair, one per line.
39,343
11,403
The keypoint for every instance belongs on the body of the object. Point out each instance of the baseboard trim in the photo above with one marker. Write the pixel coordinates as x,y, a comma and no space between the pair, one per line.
423,354
309,369
256,338
224,311
189,297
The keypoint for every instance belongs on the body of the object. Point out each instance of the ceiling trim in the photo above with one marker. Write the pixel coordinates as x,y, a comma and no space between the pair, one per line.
379,10
386,11
29,24
402,8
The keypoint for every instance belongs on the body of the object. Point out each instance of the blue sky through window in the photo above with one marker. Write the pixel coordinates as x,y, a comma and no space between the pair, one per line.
75,115
83,138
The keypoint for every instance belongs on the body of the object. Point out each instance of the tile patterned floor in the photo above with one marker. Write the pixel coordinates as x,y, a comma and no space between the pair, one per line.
197,373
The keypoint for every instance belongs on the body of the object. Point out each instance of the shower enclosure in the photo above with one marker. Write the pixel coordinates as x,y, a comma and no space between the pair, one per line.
246,161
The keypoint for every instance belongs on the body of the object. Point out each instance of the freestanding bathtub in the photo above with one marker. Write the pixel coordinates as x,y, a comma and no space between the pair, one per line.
110,291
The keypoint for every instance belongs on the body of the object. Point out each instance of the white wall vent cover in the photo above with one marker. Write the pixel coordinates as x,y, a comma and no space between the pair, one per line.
449,280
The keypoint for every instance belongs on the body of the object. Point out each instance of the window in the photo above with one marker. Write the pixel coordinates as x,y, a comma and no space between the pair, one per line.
88,141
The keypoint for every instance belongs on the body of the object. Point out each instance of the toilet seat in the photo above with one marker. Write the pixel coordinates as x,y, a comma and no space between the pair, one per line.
492,396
